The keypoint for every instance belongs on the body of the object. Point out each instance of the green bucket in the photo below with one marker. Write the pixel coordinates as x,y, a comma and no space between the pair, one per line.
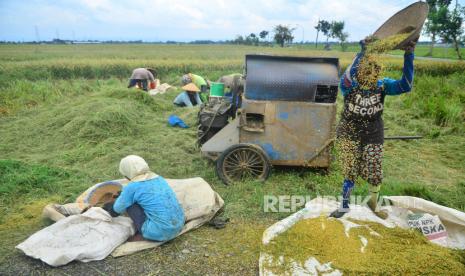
216,89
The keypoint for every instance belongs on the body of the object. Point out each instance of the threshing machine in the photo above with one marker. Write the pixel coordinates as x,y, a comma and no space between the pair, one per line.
286,116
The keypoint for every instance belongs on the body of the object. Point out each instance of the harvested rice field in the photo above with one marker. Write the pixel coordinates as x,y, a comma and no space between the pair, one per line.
67,118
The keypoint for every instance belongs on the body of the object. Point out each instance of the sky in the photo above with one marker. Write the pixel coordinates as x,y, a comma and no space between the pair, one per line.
182,20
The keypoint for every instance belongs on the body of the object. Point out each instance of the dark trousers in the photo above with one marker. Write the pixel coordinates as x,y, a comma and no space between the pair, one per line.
136,213
141,83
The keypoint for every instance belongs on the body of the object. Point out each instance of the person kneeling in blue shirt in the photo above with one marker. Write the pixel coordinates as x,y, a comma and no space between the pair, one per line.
189,97
149,202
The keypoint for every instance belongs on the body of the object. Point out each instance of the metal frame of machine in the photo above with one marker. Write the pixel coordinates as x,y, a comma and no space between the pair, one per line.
287,117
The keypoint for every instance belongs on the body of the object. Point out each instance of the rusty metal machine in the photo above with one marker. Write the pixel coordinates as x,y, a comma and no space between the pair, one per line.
287,117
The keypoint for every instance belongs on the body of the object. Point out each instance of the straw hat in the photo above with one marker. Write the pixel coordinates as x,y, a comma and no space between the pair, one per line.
191,88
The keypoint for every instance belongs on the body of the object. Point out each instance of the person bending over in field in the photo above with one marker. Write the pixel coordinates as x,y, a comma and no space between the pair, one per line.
232,82
360,132
143,78
149,201
234,88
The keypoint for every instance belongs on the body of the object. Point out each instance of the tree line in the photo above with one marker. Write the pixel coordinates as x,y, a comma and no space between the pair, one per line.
445,22
252,39
333,29
282,35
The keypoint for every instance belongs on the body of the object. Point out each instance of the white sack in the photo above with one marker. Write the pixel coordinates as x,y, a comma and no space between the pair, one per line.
454,221
86,237
159,89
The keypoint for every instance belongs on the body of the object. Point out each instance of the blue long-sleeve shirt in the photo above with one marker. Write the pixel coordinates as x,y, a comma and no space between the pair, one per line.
361,118
164,214
390,86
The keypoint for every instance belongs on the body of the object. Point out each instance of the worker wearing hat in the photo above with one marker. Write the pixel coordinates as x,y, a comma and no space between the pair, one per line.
199,81
360,132
149,202
189,97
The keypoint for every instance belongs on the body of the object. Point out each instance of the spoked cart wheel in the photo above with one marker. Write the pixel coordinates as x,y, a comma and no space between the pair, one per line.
242,161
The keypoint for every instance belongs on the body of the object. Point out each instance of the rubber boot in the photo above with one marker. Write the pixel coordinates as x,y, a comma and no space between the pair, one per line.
347,188
373,202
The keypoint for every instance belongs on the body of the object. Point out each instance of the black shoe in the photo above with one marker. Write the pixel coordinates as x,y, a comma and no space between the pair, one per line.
338,213
218,222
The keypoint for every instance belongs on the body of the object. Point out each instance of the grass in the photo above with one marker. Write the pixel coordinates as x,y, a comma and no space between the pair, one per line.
60,134
438,52
20,179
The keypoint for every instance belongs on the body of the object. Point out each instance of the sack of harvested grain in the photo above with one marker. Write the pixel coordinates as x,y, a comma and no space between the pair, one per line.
310,243
84,237
431,226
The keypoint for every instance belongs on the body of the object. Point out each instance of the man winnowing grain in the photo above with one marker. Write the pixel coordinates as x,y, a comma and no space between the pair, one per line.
360,132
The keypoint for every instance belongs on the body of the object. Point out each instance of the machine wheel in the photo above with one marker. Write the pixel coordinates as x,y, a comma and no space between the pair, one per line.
201,135
243,161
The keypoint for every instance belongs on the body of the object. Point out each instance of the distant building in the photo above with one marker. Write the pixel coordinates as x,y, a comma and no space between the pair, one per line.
86,42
